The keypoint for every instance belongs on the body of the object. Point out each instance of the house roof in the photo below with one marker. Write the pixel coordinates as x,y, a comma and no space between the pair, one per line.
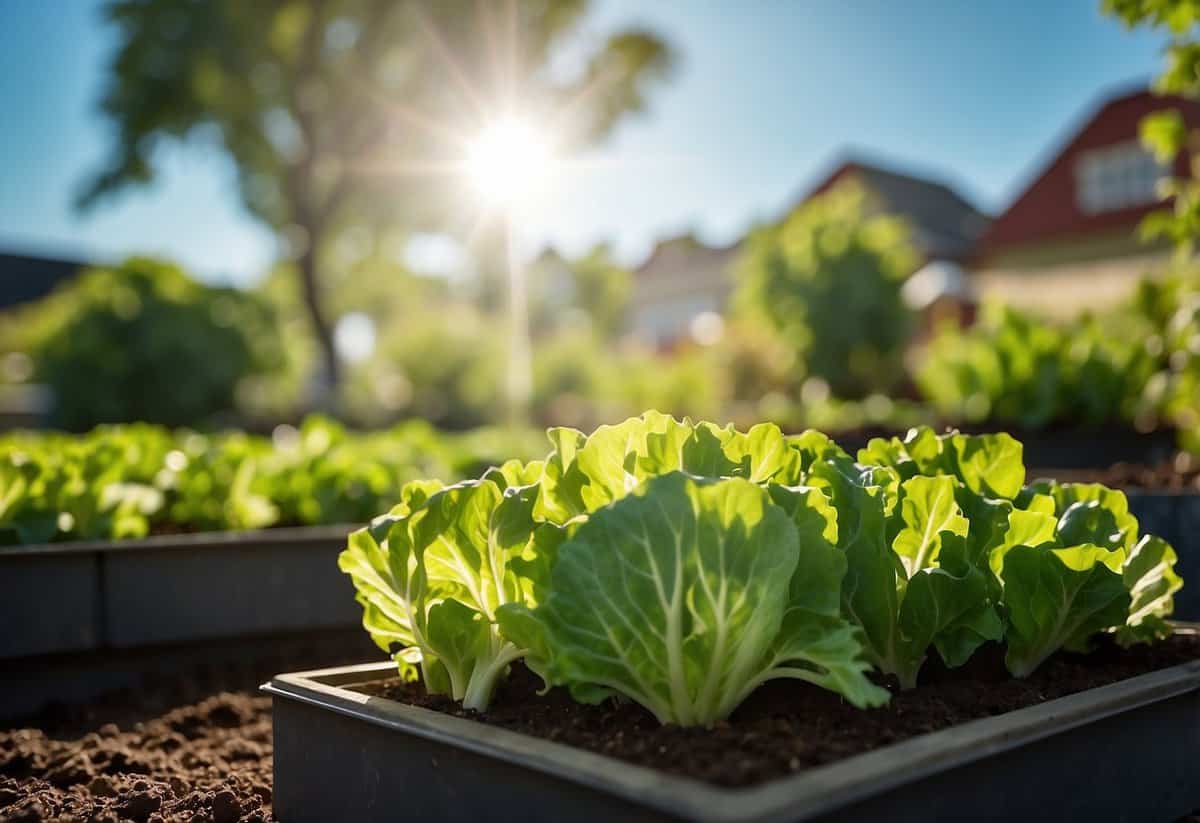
946,225
24,278
1047,209
683,250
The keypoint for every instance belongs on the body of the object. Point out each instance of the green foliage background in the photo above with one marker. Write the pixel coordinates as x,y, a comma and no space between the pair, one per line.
828,279
143,341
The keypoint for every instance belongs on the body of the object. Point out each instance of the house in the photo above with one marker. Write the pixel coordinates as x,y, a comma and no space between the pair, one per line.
24,279
684,282
944,224
1069,240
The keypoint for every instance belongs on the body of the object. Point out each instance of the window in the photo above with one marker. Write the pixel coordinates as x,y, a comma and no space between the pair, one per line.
1117,177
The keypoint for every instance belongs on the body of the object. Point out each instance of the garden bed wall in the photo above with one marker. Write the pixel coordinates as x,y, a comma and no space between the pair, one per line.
101,613
73,597
1022,764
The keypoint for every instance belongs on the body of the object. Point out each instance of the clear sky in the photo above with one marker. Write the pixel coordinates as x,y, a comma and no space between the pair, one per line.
768,95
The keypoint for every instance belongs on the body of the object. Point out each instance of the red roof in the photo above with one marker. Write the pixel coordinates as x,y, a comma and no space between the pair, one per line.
1049,210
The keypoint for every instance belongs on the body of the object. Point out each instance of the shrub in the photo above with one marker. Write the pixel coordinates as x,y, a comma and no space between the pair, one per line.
828,279
142,341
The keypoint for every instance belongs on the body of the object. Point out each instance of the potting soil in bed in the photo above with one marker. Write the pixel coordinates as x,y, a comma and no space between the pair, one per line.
205,762
208,760
788,726
1179,474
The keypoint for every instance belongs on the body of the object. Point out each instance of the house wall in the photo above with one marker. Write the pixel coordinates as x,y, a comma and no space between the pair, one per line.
680,282
1064,288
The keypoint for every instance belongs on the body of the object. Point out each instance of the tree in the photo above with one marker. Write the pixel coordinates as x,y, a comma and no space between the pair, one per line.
346,117
827,278
1164,132
1175,304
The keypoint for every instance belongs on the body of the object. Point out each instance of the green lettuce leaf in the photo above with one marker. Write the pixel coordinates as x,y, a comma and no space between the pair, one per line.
432,575
920,592
679,597
1087,512
1150,578
1058,598
990,464
585,473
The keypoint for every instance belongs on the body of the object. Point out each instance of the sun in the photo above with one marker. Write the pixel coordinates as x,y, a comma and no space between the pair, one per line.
508,160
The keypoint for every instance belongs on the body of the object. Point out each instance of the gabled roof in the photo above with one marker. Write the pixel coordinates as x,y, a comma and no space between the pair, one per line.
682,250
23,278
1047,209
946,225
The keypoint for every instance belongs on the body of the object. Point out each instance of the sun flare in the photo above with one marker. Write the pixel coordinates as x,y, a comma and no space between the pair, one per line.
509,159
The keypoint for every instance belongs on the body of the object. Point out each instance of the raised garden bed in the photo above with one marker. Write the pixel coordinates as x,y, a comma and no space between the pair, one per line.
195,744
791,752
172,588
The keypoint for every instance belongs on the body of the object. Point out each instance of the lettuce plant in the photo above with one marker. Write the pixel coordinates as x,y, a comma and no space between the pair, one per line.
681,565
432,574
687,594
912,583
1065,560
130,480
1073,565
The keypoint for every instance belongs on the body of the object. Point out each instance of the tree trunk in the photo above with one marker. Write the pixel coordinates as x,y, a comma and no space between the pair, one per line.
330,375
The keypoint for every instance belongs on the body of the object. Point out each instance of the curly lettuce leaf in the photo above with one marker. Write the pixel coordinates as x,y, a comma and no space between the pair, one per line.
1150,578
585,473
990,464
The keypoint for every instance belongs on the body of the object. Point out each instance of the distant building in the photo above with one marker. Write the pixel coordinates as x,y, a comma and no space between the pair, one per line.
1069,241
684,282
944,224
24,279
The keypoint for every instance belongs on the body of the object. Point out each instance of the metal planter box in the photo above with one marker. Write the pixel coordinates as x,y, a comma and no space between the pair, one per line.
49,601
223,585
1127,751
91,595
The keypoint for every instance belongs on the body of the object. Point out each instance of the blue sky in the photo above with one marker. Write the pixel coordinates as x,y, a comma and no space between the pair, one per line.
768,95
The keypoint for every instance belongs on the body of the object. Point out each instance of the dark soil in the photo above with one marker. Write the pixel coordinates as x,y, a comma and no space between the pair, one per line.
1180,474
192,746
209,762
789,726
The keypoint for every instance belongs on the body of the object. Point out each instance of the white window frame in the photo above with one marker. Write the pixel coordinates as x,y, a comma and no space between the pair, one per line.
1121,176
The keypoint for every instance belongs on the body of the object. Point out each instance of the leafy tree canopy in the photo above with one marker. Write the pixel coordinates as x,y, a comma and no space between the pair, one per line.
827,278
350,115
